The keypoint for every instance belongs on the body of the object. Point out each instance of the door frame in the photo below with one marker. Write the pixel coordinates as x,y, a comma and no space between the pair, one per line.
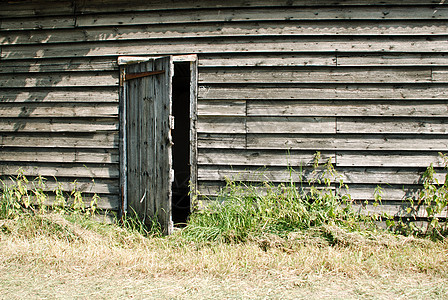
123,61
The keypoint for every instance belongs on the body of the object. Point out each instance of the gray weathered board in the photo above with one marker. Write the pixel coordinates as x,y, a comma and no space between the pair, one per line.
364,82
148,140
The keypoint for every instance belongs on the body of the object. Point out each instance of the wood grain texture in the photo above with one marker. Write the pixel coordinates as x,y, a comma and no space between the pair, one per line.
389,108
219,45
99,185
365,83
388,159
320,75
393,125
59,65
33,110
259,158
60,140
264,14
60,170
402,59
348,175
347,142
38,23
32,96
346,91
266,60
77,79
101,156
27,124
225,29
31,8
84,6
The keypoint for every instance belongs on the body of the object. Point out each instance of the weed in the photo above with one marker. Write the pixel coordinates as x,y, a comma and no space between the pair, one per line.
433,199
249,210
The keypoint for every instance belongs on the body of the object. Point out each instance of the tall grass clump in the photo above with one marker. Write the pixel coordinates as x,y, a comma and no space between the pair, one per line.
249,210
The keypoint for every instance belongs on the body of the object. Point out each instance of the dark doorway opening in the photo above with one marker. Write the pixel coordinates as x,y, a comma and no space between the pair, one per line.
181,140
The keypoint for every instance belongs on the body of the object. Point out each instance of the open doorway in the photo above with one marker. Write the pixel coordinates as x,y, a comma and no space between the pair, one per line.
181,138
157,155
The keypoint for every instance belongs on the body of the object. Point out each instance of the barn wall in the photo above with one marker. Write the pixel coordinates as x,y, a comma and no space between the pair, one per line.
365,84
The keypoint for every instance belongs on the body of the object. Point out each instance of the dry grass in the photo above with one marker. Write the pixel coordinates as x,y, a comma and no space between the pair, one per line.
61,259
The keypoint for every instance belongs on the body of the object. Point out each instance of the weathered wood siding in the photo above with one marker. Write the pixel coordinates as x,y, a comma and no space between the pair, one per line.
364,82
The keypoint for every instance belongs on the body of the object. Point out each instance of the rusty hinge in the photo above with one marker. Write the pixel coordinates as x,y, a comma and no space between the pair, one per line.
142,74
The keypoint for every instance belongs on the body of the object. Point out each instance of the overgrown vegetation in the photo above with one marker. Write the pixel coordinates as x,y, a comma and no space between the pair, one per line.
281,241
250,211
247,210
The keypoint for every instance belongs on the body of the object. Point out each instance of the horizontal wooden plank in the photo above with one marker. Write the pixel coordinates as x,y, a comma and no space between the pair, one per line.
347,108
221,125
60,170
227,141
348,142
29,8
260,14
103,156
221,108
54,22
59,65
231,157
290,125
57,125
375,159
61,140
266,60
349,176
323,92
402,59
361,192
233,29
99,185
100,94
47,110
357,192
397,209
96,6
319,75
394,126
92,79
108,202
238,45
439,75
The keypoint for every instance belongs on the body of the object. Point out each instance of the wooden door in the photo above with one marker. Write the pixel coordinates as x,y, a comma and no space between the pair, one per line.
147,138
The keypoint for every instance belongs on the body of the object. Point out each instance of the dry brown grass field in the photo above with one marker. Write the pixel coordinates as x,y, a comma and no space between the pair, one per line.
48,257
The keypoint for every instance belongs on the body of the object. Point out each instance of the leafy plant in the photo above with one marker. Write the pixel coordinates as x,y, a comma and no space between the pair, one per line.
251,210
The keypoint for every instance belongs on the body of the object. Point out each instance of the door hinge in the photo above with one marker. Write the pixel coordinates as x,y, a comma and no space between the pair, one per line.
172,122
142,74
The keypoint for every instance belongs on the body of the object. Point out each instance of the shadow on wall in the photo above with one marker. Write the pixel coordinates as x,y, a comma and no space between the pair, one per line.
59,109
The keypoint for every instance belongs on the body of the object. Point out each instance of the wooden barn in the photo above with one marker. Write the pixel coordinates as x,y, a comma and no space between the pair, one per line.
143,101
